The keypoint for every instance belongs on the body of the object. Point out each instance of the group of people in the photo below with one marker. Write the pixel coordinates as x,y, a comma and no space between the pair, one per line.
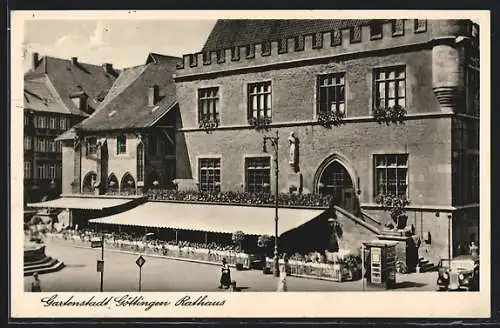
227,283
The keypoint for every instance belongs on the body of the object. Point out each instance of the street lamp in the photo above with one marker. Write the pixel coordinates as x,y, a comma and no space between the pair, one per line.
449,237
274,143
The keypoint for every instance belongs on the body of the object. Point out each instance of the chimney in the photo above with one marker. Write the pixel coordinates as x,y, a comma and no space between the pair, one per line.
34,62
108,68
74,60
153,95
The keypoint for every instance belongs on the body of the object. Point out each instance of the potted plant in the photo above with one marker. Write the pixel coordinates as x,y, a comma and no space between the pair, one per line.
394,114
329,118
260,123
238,238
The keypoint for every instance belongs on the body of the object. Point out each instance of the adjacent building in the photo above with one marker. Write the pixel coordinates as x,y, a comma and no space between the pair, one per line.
361,108
58,94
128,143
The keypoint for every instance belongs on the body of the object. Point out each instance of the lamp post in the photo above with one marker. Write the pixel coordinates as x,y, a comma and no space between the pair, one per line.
449,237
274,143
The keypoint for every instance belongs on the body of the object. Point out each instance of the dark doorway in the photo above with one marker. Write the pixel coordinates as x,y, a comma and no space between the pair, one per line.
336,181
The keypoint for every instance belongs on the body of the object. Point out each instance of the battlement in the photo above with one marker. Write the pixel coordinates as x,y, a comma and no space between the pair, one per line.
380,34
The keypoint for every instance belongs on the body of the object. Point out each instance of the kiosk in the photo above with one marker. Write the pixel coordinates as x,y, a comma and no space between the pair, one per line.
380,264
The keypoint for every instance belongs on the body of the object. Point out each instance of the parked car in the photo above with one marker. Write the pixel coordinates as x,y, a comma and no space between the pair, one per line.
461,273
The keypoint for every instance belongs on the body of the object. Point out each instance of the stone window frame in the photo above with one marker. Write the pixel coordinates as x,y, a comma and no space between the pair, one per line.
212,97
335,85
401,164
211,167
265,173
268,112
121,145
377,81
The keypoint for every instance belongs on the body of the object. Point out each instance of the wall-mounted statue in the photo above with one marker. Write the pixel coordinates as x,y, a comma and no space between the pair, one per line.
293,159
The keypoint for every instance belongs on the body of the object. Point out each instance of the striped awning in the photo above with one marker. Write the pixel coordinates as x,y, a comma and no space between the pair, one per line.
211,218
84,203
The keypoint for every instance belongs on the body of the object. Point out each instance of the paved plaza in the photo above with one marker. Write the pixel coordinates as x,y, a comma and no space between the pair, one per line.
121,274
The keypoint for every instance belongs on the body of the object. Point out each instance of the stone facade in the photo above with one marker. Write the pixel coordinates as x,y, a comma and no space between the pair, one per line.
434,61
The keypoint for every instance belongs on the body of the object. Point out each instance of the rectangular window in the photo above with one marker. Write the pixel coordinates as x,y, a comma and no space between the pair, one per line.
317,40
299,43
27,170
41,172
258,174
390,87
331,93
391,174
62,124
420,25
26,119
209,174
235,53
28,145
250,51
153,145
59,146
266,48
121,145
52,171
398,27
336,38
376,28
259,100
42,122
40,145
355,34
208,101
91,145
283,46
51,145
52,123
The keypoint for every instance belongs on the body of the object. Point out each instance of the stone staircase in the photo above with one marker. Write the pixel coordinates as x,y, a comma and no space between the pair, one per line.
44,265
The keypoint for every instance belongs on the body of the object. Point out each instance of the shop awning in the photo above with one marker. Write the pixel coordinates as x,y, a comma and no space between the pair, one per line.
84,203
211,218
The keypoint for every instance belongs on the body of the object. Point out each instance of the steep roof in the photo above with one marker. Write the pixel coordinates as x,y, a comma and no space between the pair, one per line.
70,78
126,104
228,33
40,95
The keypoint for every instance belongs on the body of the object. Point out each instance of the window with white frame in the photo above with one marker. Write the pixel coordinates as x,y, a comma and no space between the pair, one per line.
121,144
63,124
27,169
390,87
51,145
259,100
41,172
28,143
391,174
208,101
42,122
52,123
40,144
52,171
258,174
209,174
331,93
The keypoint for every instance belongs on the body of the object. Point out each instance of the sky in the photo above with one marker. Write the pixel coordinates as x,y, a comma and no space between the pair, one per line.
124,43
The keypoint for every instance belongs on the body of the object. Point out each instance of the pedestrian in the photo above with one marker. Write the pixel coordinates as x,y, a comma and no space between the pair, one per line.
282,286
474,250
225,278
35,284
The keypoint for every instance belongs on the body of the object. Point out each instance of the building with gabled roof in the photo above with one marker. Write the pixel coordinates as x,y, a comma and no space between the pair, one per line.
58,94
128,143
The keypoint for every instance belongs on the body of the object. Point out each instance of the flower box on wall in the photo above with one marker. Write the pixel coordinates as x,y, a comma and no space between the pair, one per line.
260,123
209,124
329,118
395,114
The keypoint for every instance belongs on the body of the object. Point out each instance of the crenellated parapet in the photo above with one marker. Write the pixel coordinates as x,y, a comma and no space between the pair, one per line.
378,35
453,42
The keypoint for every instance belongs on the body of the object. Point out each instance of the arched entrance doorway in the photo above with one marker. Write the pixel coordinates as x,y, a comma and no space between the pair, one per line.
335,180
127,185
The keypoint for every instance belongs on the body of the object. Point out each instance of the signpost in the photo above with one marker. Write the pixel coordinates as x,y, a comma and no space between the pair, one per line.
140,262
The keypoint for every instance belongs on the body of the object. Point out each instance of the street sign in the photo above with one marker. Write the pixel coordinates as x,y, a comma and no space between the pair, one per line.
140,261
100,266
